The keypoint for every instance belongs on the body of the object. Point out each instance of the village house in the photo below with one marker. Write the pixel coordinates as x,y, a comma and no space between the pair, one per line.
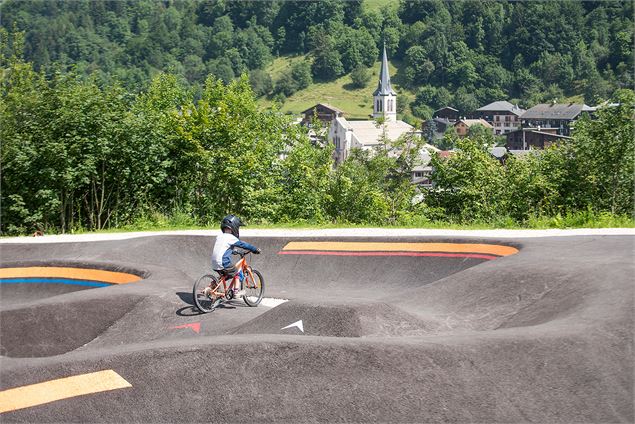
462,126
446,113
422,172
323,112
442,119
533,138
554,115
503,116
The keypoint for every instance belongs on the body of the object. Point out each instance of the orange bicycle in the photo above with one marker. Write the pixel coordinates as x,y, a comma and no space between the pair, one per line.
209,291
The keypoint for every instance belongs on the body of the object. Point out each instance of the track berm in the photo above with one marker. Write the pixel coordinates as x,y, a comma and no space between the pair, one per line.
544,335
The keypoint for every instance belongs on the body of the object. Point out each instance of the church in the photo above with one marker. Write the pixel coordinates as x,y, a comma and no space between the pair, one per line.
347,135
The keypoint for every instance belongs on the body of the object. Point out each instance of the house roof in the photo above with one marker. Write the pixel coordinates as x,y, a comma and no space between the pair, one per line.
501,106
568,111
470,122
446,108
367,133
498,151
324,105
384,88
425,155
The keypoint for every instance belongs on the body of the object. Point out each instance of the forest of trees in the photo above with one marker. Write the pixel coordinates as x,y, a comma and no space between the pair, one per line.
115,112
80,155
463,53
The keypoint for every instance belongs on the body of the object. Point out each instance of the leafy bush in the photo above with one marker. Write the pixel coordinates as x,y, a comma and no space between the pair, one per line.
360,76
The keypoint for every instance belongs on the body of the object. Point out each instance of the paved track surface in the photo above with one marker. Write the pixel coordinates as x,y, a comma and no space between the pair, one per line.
545,335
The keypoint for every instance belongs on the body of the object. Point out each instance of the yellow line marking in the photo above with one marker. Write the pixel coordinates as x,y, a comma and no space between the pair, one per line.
63,388
67,272
493,249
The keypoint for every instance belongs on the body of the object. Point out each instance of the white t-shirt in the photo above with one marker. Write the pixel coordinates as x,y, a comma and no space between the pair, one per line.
223,243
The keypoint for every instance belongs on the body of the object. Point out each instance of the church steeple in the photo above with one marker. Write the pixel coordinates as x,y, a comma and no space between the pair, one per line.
385,98
384,88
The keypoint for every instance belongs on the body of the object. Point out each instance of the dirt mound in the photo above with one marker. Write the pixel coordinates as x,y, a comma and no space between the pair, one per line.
344,320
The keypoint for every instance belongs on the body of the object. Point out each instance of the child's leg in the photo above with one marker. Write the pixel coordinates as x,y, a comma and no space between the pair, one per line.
233,277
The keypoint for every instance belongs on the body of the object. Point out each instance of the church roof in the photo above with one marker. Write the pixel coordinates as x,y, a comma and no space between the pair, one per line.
368,134
384,88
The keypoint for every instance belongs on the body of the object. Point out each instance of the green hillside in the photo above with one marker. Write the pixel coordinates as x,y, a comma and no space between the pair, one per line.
460,53
356,102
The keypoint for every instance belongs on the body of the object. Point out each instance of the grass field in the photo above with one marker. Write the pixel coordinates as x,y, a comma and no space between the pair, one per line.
581,219
379,4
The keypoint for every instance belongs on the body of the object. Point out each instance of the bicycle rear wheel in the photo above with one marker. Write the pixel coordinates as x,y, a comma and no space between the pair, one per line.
205,293
254,288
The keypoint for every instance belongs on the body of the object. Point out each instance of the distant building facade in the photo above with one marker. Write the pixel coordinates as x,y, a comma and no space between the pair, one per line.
532,138
442,119
559,116
323,112
503,116
462,126
447,113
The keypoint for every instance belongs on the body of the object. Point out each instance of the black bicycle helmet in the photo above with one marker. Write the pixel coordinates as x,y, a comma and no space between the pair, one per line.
233,223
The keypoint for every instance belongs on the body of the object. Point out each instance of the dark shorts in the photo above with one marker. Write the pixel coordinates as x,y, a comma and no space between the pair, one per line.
228,272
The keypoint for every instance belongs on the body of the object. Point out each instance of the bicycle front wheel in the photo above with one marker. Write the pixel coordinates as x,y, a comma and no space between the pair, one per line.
254,286
206,293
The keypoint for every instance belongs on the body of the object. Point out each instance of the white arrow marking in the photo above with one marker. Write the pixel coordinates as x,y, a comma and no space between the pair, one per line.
295,324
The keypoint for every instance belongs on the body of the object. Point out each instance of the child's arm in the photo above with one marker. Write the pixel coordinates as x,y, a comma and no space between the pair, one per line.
246,246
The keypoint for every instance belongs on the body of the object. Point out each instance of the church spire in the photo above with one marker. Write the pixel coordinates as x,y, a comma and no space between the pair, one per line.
385,98
384,88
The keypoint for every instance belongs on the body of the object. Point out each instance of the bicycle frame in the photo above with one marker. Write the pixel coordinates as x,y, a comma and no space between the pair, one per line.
241,265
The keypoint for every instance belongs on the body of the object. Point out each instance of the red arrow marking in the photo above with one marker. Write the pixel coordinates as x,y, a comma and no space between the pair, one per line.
195,326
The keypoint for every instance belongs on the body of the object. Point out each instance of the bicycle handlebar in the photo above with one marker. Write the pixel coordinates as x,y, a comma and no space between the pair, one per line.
242,253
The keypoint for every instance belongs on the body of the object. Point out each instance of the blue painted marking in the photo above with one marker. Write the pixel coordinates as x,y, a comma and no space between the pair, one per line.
38,280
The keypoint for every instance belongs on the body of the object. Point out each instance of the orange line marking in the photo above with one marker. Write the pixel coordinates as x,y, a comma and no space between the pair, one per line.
67,272
62,388
492,249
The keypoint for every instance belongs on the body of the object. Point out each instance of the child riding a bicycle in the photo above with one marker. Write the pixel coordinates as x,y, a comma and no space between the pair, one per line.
224,247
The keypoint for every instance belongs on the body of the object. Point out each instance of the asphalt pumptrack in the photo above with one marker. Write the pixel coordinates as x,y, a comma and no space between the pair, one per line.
366,329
